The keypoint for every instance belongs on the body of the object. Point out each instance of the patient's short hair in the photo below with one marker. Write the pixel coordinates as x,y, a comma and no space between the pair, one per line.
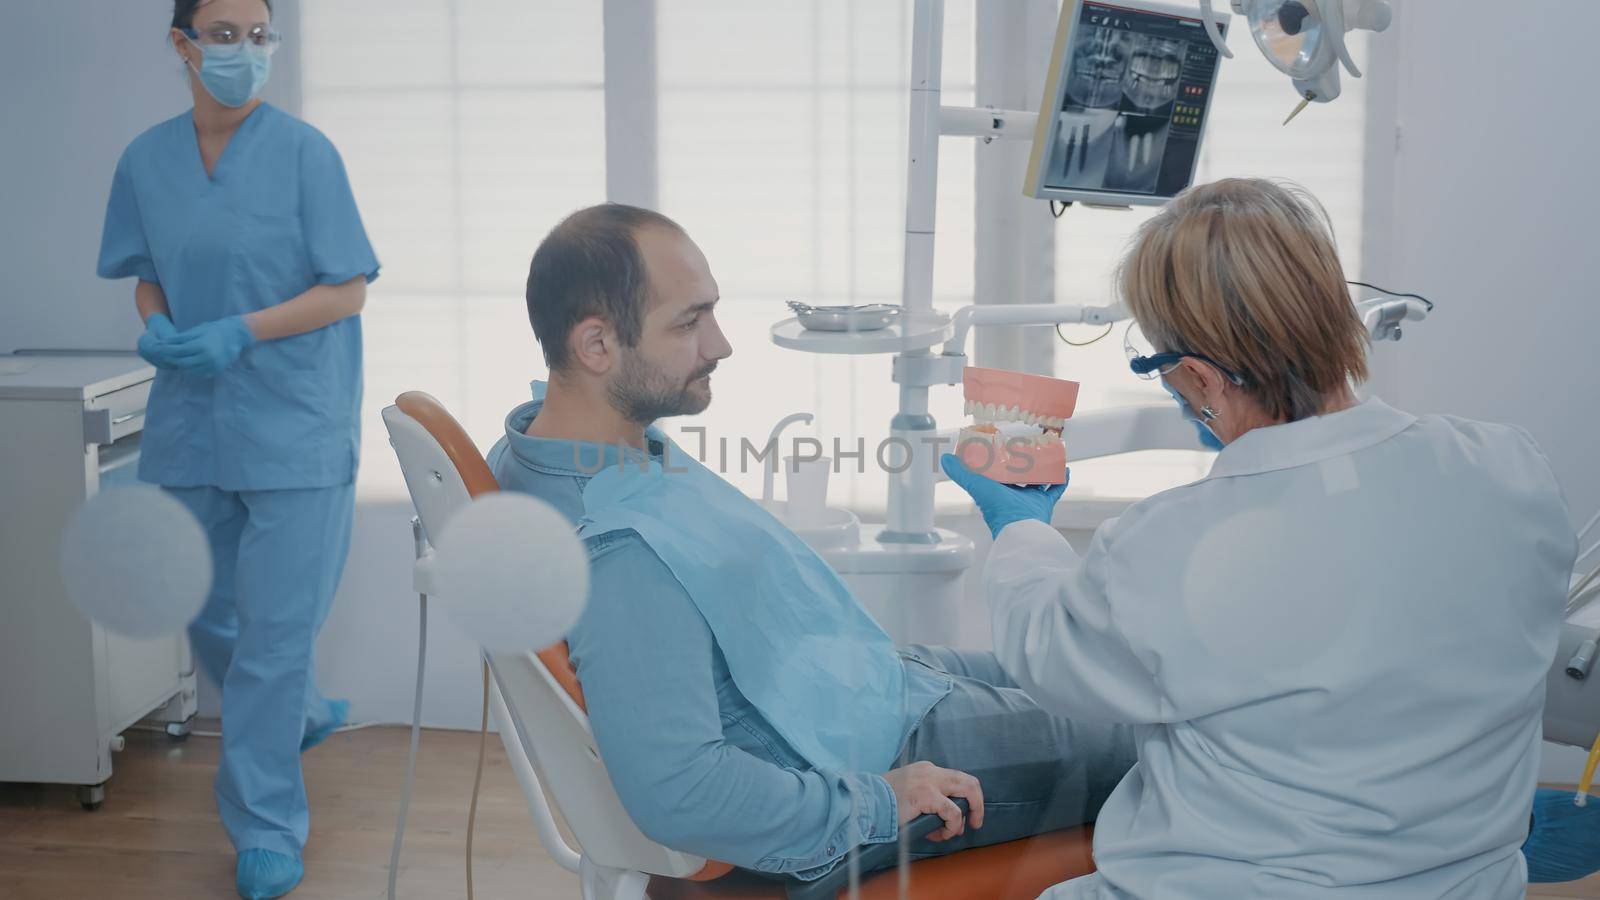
590,265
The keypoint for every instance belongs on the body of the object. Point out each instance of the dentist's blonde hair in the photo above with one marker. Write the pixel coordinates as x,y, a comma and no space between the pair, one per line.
1246,272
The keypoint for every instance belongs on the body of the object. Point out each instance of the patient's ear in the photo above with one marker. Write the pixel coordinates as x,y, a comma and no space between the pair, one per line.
594,345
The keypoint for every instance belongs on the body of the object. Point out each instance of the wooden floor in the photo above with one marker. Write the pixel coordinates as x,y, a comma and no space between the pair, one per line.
157,835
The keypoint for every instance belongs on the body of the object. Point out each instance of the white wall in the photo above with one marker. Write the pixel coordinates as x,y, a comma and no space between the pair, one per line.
82,78
1483,195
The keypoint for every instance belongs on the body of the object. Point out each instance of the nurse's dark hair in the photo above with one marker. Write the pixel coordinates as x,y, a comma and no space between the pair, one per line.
590,265
183,11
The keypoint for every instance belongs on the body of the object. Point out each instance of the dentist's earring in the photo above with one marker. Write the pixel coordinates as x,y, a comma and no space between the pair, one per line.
1208,414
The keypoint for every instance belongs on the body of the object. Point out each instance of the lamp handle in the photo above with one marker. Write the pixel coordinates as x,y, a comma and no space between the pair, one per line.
1209,19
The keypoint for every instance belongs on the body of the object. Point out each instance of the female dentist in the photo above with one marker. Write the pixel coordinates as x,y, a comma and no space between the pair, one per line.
1334,646
252,266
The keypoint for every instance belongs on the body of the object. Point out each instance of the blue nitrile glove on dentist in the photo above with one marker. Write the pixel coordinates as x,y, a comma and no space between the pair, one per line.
1002,504
155,344
205,350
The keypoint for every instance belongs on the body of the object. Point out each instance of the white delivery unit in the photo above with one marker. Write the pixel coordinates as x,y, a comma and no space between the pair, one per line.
70,425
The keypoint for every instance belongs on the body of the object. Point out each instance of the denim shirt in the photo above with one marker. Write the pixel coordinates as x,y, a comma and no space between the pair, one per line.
695,764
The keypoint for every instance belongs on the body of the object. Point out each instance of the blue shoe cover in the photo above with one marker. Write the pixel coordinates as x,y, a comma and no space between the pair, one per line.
1564,842
262,874
338,712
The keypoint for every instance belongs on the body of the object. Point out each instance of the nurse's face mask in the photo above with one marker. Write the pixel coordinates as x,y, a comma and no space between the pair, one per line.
235,62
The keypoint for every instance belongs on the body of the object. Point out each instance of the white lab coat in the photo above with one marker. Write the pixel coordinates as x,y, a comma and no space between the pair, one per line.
1333,649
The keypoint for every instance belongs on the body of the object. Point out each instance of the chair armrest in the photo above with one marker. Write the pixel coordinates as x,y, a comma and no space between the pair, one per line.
869,858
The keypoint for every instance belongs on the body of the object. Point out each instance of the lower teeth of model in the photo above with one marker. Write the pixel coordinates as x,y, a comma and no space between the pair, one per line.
1005,433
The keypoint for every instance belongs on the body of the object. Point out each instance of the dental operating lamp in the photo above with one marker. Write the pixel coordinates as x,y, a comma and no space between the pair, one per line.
1305,39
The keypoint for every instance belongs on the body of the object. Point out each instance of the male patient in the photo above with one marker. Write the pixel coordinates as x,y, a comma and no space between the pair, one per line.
713,748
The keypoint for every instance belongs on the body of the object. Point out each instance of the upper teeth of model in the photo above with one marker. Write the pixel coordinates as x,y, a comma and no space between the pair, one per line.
989,412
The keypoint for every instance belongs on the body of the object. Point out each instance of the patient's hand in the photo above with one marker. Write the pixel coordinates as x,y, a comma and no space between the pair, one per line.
923,787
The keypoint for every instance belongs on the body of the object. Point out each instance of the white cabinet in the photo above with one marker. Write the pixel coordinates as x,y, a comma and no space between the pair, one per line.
70,424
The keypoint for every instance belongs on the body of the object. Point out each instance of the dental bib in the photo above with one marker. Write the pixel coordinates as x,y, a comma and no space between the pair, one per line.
797,644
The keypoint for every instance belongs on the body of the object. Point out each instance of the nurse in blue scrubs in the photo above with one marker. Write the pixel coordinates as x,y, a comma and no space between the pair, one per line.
238,221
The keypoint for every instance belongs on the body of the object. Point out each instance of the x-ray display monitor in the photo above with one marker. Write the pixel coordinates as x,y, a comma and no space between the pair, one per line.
1126,103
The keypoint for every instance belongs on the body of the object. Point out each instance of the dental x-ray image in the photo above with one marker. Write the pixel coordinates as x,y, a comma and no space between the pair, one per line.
1138,144
1116,112
1083,147
1099,67
1151,82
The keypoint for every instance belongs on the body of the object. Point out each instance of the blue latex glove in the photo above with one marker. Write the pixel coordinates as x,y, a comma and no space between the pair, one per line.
1002,504
263,874
1564,842
211,348
155,345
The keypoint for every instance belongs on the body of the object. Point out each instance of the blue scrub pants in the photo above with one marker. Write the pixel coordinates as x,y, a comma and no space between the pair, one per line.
278,556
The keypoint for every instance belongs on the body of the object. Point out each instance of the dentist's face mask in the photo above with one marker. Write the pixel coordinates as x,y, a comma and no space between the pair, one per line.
1207,436
234,73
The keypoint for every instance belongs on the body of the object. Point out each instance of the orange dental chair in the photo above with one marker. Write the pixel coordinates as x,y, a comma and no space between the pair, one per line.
539,707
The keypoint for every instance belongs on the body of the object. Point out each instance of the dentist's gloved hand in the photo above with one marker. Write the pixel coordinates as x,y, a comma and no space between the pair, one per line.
155,345
211,348
1002,504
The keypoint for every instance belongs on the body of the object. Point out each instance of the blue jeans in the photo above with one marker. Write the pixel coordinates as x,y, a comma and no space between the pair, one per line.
1039,772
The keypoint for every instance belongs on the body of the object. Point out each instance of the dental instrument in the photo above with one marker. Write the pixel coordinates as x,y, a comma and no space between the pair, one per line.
866,317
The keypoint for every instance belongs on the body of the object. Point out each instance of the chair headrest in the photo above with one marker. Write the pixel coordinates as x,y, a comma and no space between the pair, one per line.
479,480
463,453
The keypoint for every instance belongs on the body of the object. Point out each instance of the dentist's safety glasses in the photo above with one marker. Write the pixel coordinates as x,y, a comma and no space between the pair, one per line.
1016,435
1150,365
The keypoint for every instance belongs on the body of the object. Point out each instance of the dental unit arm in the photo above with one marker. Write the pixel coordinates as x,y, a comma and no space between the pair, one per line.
1383,315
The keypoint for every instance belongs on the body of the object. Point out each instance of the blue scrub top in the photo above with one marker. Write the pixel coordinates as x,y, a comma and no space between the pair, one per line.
275,218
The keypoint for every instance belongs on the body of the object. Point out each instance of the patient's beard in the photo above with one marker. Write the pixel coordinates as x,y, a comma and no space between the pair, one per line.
643,393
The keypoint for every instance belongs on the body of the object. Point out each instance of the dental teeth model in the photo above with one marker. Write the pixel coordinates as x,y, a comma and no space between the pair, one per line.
1016,435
